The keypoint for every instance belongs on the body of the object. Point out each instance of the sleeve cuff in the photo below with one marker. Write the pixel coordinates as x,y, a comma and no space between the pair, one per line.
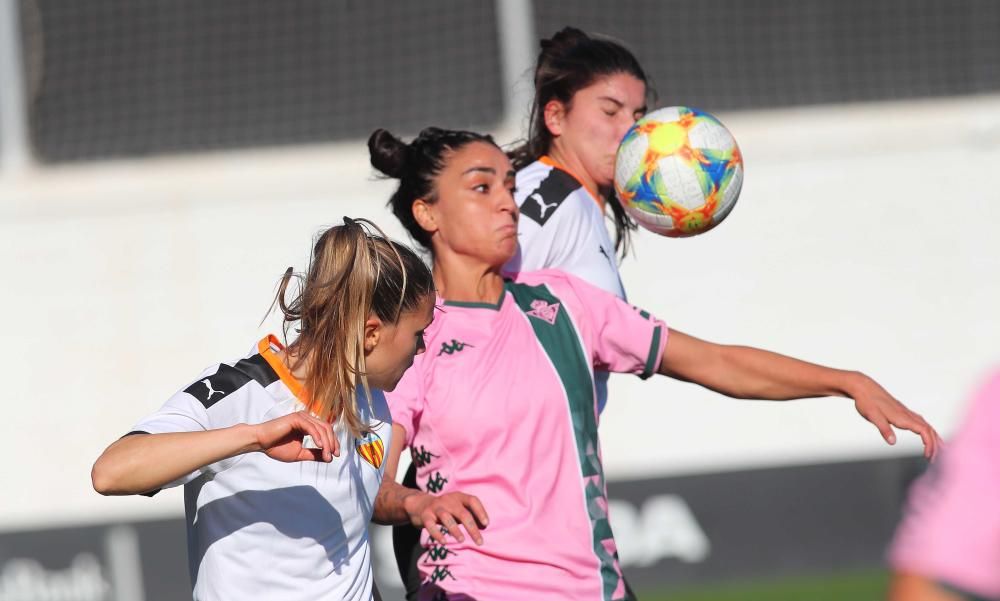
654,353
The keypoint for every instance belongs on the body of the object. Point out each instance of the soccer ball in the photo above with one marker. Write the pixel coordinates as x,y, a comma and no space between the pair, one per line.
678,171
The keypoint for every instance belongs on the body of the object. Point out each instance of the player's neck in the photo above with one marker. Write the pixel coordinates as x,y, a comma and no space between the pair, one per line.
461,281
298,369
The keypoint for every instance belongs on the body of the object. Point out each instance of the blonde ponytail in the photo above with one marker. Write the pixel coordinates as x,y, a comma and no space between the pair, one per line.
355,272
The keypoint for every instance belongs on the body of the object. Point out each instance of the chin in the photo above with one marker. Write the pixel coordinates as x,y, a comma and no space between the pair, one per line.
391,384
607,176
506,251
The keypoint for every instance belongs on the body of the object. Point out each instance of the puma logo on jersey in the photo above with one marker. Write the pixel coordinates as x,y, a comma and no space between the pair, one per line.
452,348
544,311
211,391
543,207
541,204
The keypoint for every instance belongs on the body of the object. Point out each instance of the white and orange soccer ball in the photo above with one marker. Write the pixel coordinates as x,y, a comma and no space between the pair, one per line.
678,171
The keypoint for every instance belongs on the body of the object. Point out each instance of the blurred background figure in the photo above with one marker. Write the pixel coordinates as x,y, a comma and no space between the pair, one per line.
161,163
947,547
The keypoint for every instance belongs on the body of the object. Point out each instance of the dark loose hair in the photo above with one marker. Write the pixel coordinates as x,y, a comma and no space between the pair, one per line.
568,62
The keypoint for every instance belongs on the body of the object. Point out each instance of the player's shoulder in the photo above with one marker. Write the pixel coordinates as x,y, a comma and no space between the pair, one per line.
544,191
247,379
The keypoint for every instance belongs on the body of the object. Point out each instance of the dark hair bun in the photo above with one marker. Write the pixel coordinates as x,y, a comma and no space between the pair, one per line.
565,38
388,153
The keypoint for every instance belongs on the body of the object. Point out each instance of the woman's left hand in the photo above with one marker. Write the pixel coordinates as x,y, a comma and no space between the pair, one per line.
883,410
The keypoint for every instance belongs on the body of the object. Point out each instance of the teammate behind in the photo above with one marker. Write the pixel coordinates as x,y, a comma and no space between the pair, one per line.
589,90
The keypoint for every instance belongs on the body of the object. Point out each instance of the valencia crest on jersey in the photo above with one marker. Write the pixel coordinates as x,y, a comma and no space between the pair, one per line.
370,448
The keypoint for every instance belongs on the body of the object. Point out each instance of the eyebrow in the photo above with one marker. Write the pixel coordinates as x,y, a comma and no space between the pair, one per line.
620,104
489,170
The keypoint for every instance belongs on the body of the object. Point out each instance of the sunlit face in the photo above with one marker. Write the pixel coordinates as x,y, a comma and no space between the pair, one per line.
474,217
588,131
396,345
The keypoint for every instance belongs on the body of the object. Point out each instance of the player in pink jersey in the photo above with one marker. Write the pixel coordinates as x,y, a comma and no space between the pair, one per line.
502,405
589,89
947,548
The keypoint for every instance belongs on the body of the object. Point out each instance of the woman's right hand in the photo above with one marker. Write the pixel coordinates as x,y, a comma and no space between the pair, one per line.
281,438
441,515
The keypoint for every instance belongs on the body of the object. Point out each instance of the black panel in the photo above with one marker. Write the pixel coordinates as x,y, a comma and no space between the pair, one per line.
542,202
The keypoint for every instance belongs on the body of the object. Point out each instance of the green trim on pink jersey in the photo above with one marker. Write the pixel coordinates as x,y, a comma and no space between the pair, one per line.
475,305
573,368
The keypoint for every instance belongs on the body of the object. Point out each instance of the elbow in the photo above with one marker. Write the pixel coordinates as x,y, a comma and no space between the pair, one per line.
104,480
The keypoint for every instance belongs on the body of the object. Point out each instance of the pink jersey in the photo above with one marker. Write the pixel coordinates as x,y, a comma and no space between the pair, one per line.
951,529
502,406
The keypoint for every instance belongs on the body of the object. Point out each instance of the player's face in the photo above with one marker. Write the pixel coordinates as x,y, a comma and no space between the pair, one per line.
397,345
597,119
475,216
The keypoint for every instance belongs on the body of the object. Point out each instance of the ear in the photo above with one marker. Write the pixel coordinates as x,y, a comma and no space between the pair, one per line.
373,333
423,213
554,115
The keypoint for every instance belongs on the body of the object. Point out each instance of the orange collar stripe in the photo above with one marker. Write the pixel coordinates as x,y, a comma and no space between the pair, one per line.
547,160
266,348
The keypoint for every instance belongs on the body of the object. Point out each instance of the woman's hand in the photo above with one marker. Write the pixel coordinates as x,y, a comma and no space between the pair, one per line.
441,515
281,438
885,412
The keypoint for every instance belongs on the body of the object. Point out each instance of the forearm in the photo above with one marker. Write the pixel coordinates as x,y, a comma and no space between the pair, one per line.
394,502
751,373
143,462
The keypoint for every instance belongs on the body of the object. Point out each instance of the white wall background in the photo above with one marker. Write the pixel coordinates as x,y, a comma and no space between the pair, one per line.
865,238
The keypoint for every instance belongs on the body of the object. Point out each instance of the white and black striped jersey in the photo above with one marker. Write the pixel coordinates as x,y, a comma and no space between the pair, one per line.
259,528
562,227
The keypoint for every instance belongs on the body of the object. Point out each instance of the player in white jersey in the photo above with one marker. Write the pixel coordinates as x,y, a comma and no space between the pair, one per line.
588,91
281,453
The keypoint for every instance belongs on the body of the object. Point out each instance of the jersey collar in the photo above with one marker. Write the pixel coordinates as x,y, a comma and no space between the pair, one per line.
547,160
267,347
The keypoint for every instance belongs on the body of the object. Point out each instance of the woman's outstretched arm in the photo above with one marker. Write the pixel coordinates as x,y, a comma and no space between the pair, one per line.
751,373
